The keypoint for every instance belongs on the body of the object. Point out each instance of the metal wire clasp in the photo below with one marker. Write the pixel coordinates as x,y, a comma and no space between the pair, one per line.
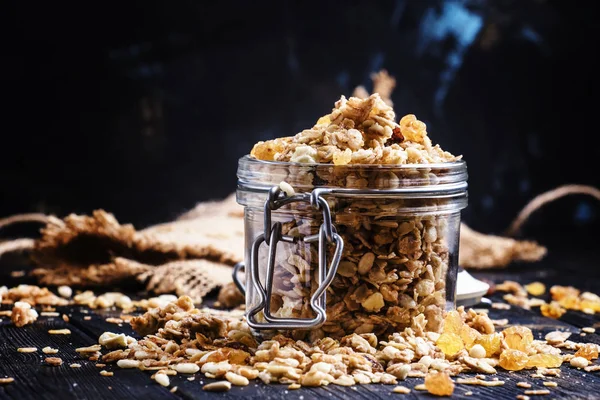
273,235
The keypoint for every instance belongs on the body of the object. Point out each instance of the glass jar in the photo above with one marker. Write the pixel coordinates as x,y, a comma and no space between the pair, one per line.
353,248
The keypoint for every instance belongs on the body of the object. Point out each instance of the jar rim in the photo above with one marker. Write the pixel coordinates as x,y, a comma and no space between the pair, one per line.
436,180
452,165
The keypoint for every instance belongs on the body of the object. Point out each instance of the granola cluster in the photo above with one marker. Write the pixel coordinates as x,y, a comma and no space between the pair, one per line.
33,295
180,338
358,131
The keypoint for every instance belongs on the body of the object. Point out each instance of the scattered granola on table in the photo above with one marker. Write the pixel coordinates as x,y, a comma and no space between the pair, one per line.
563,298
180,338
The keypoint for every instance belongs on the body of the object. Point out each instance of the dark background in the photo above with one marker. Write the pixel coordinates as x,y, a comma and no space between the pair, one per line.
143,108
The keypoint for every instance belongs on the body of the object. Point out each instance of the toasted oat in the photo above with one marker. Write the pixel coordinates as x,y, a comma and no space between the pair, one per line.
401,390
549,371
90,349
17,274
551,384
114,320
220,386
6,381
54,361
592,368
469,393
420,386
106,373
480,382
75,365
5,313
537,392
478,365
579,362
65,317
49,350
187,368
100,365
126,363
59,331
522,397
49,314
191,378
236,379
65,291
162,379
173,389
588,329
27,349
556,337
87,318
294,386
524,385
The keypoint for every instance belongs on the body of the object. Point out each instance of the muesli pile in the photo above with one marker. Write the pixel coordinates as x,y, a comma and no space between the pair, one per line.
180,338
357,131
395,262
175,337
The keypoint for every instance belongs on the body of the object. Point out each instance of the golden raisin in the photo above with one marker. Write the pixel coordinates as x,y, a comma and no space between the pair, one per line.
553,310
491,343
518,338
453,322
588,351
589,305
469,336
536,288
544,361
412,129
569,302
439,384
450,343
560,292
513,360
267,150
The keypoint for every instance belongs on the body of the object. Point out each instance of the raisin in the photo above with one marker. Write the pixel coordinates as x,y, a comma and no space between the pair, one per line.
469,336
491,343
453,322
560,292
536,288
589,351
518,338
439,384
450,343
544,361
554,309
513,360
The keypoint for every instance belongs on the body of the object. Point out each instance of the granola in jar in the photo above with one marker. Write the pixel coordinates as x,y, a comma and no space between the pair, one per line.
395,201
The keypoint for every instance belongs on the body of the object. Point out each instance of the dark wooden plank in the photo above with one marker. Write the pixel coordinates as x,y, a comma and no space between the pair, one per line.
33,377
35,380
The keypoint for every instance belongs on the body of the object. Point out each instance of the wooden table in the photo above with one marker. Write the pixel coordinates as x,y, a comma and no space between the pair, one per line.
568,265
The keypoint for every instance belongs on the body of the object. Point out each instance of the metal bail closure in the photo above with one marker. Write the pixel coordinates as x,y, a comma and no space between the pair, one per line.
271,237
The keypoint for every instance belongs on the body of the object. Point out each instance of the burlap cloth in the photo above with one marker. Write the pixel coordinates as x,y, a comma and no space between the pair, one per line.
194,254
